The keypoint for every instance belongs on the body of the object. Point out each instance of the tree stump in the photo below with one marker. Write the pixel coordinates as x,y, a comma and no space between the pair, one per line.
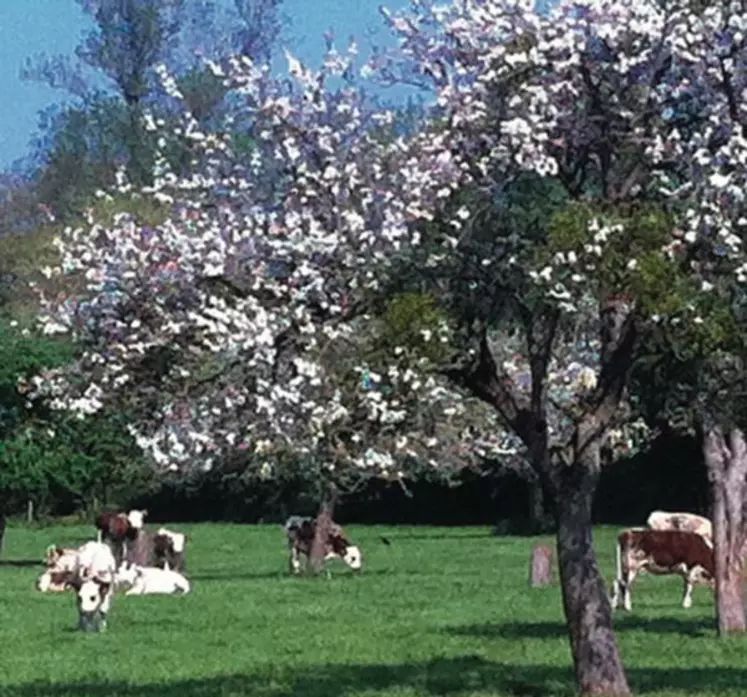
540,569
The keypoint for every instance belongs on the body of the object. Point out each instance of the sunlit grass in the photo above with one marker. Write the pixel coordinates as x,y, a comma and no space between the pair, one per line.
441,611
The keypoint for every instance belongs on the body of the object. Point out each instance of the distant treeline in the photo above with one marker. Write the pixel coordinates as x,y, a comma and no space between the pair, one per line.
670,476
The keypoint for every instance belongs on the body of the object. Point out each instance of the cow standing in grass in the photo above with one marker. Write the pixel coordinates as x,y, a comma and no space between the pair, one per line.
119,528
300,534
93,582
679,552
164,549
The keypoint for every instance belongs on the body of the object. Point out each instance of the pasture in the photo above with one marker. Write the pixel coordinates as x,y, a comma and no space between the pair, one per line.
441,611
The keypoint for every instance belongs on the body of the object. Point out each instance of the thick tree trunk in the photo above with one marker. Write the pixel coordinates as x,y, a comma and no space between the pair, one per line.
727,471
322,526
596,658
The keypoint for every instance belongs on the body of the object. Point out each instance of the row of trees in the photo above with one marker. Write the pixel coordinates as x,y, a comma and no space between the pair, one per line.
539,272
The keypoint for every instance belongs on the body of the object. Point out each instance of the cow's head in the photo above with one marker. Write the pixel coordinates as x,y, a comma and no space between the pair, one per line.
126,574
52,555
178,539
353,557
90,593
136,518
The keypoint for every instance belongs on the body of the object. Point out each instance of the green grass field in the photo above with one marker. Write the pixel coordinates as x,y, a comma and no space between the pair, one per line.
441,611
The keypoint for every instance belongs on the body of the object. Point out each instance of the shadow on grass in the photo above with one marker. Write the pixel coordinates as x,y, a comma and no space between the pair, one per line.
443,676
550,630
393,537
21,562
232,575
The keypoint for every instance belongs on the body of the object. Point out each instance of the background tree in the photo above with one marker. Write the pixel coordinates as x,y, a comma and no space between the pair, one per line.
113,79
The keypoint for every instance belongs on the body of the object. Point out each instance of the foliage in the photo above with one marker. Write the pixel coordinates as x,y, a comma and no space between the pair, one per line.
47,456
271,256
22,355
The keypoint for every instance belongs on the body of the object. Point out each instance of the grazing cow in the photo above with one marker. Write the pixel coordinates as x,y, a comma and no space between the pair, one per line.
147,549
145,580
119,528
168,549
661,552
300,533
93,582
661,520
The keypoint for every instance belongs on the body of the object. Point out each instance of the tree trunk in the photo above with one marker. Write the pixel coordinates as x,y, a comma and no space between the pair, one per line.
727,472
536,505
596,656
322,527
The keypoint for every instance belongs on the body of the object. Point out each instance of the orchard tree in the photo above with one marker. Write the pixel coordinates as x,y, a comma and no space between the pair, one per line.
217,326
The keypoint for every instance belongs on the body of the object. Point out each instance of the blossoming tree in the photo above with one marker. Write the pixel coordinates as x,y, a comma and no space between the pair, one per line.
642,123
221,327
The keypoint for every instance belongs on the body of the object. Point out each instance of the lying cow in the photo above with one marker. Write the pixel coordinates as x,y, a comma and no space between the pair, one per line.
61,563
661,552
661,520
145,580
300,533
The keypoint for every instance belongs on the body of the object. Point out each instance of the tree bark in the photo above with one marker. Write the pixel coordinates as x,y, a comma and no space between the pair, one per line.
322,526
727,472
536,505
596,657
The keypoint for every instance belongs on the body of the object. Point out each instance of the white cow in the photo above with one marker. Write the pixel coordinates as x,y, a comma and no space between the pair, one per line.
689,522
93,582
146,580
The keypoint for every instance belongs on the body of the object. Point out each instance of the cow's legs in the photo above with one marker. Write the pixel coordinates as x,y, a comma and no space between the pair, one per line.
625,583
623,580
687,591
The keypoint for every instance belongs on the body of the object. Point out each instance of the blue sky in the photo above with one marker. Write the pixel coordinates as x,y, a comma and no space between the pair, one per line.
29,27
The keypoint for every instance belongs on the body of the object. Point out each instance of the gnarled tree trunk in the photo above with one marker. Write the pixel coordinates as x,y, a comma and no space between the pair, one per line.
596,656
727,472
322,526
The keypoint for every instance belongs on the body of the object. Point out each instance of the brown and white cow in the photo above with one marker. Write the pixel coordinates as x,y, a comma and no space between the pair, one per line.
300,533
118,528
662,520
93,583
661,552
61,564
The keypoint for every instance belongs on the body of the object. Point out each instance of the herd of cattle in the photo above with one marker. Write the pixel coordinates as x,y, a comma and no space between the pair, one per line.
125,556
